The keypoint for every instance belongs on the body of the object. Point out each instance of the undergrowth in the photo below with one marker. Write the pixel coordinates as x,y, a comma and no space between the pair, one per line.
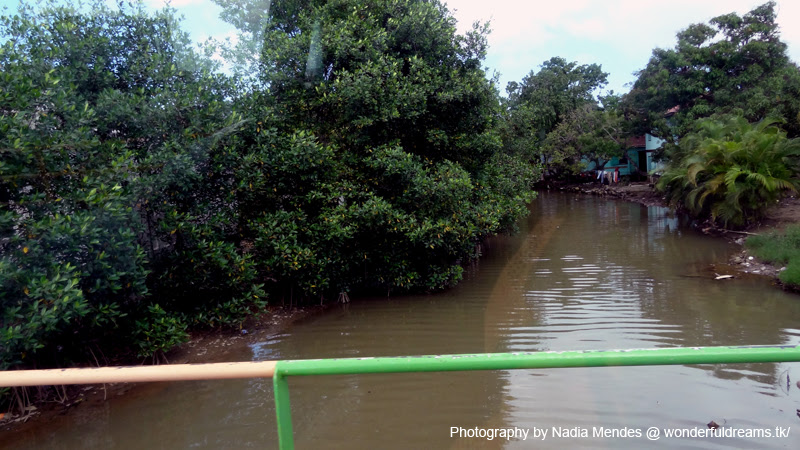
780,248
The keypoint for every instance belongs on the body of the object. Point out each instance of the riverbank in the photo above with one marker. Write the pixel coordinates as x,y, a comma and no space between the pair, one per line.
215,345
638,192
560,284
559,273
207,346
785,212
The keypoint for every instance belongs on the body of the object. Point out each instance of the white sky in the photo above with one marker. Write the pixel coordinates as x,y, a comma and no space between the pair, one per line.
617,34
620,35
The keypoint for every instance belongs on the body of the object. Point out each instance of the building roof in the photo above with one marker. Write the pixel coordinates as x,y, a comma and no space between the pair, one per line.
636,142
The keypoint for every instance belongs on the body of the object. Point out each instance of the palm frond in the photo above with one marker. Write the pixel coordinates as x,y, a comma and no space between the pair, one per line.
732,170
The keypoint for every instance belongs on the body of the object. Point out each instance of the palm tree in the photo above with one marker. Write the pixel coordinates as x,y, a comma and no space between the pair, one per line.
731,170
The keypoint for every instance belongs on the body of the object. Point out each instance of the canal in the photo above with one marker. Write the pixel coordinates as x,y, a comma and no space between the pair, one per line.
583,273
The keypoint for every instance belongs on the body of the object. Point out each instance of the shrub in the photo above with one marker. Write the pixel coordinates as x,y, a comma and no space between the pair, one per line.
730,171
158,332
109,131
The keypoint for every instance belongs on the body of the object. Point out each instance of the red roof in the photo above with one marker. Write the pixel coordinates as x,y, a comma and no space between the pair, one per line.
636,142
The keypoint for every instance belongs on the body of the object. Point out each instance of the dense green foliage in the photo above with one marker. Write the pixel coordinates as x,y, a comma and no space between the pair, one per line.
733,65
109,124
588,133
553,116
780,248
731,171
376,163
734,73
558,88
142,194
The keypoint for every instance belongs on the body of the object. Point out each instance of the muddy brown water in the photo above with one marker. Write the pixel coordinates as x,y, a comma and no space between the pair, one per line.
583,273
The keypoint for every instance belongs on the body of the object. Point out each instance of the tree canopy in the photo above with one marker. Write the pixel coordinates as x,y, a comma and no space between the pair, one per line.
732,65
109,128
143,193
365,74
401,167
558,88
590,132
545,100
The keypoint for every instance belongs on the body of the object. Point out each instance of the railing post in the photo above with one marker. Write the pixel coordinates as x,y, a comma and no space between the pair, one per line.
283,410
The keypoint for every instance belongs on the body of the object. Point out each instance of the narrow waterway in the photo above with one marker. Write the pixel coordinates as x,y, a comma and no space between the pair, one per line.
583,273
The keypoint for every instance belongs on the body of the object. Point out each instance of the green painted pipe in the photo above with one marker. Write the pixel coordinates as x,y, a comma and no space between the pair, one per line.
283,411
541,360
507,361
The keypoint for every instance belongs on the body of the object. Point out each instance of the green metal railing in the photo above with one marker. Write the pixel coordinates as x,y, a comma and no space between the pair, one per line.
281,370
507,361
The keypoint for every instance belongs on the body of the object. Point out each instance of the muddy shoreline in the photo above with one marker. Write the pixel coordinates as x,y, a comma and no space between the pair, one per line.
642,192
205,346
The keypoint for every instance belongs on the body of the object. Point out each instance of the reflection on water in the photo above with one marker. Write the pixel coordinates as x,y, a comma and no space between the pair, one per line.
584,273
617,275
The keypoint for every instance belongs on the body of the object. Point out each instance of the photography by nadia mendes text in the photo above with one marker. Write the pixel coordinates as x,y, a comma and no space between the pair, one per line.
652,433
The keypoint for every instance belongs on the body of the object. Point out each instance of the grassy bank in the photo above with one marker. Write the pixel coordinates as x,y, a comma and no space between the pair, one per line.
780,248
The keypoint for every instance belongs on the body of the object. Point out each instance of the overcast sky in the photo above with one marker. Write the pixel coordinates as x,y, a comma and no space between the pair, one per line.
620,35
617,34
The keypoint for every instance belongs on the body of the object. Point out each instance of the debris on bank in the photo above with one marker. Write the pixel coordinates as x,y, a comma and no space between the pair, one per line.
639,192
747,263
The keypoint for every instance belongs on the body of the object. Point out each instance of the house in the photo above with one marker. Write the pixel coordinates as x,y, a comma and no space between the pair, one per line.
640,153
636,161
